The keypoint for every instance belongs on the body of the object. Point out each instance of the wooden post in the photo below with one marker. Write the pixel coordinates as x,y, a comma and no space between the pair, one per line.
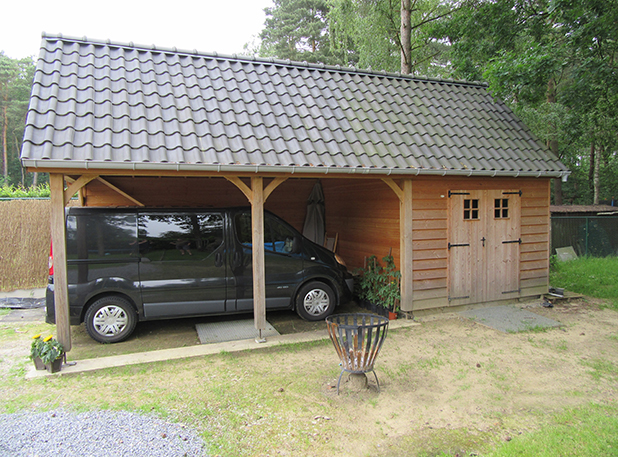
259,281
61,296
405,241
406,248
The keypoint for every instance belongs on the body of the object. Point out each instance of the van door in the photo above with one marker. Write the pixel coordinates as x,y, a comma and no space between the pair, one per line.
182,263
282,259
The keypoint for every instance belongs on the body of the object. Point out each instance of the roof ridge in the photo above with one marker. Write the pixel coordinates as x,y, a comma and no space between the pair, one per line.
264,60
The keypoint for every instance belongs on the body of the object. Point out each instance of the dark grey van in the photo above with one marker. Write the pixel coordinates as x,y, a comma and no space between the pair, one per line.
130,265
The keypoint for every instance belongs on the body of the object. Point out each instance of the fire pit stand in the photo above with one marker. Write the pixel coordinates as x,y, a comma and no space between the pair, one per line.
357,339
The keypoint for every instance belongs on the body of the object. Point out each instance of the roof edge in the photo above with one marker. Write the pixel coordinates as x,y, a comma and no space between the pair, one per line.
263,60
281,169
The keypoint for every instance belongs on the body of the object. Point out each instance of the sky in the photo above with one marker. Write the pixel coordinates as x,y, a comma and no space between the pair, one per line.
221,26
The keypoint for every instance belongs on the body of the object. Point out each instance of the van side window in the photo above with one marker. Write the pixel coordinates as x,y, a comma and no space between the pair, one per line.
180,236
101,236
277,237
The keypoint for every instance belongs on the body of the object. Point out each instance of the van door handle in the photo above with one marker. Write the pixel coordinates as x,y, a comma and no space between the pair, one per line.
218,260
237,259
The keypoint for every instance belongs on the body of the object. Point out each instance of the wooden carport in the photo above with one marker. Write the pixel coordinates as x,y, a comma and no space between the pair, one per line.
106,117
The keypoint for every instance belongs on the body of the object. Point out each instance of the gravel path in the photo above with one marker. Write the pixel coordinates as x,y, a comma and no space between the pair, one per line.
93,434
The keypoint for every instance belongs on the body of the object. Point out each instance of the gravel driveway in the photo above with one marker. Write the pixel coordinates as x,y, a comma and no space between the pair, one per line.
95,433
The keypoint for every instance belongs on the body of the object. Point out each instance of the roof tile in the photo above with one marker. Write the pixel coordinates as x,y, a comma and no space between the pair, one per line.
99,101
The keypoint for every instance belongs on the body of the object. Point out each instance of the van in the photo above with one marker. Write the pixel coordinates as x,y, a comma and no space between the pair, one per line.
133,264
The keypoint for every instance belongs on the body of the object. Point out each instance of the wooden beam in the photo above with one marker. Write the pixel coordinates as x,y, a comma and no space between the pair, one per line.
259,270
272,186
406,252
242,186
393,185
121,192
76,186
61,295
406,248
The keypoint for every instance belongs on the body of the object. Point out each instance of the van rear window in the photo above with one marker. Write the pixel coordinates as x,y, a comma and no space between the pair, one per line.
101,236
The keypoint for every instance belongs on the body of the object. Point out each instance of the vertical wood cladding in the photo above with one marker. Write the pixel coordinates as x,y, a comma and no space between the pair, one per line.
365,215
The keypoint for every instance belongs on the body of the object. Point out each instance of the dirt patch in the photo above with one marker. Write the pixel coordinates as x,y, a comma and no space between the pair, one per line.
448,376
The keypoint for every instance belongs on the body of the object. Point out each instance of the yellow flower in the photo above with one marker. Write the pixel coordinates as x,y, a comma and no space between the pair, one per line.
37,336
48,338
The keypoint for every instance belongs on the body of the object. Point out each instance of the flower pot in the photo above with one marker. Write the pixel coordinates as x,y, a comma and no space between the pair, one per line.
54,367
38,363
392,316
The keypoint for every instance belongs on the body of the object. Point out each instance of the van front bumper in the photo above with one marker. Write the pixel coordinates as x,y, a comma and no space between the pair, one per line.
50,308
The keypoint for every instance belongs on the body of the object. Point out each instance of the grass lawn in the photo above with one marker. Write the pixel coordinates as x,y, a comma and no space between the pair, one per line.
450,387
592,276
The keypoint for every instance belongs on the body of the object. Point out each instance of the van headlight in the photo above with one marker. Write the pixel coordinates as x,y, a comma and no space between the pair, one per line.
340,260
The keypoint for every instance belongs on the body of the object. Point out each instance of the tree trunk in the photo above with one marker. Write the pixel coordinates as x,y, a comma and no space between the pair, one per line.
406,38
597,172
5,155
552,143
591,169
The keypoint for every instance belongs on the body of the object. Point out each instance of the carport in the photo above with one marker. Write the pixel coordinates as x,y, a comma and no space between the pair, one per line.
399,158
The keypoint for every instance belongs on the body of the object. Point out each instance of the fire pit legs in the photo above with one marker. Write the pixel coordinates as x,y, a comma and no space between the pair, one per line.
373,371
357,339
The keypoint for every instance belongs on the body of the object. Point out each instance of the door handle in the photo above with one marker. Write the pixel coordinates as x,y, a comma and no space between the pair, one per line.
483,240
237,259
218,260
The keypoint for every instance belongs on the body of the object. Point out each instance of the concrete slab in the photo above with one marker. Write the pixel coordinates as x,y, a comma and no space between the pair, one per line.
81,366
509,318
220,331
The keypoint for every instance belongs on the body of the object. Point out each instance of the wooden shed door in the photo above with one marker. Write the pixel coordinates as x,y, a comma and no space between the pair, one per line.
483,249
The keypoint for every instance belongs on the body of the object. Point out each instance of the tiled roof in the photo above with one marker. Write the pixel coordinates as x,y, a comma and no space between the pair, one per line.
105,105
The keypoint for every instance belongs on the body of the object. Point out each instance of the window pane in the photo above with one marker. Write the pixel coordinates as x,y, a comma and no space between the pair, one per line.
173,237
101,236
279,237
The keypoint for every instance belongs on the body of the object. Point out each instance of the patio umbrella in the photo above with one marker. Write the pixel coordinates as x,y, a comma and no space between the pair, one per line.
315,225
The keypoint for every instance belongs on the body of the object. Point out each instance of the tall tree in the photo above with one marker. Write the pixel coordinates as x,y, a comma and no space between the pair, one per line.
15,83
390,35
555,58
298,30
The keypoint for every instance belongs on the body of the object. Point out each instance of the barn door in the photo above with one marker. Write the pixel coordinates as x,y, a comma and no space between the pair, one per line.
483,248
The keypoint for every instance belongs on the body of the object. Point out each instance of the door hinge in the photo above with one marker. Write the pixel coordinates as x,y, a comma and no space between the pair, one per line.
512,291
512,193
512,241
457,193
457,245
458,298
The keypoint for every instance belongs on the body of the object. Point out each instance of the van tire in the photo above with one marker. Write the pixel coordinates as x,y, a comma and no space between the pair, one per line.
110,319
315,301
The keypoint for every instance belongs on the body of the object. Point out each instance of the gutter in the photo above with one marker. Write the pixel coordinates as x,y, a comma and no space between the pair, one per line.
281,169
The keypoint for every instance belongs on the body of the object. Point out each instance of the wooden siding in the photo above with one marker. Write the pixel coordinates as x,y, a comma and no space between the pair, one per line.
364,212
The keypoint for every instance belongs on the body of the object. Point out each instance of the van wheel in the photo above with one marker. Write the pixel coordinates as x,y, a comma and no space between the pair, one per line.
110,319
315,301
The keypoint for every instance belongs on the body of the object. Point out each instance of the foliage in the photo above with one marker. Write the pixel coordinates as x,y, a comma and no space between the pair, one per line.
16,77
369,33
556,58
47,349
40,191
380,284
593,276
297,30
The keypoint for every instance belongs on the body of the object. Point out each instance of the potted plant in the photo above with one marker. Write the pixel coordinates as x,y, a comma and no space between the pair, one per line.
35,352
380,286
50,351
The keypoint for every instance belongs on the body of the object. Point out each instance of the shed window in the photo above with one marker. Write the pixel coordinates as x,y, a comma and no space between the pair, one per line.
471,209
501,208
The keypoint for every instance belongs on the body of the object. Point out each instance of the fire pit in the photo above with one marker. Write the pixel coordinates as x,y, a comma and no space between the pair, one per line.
358,339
